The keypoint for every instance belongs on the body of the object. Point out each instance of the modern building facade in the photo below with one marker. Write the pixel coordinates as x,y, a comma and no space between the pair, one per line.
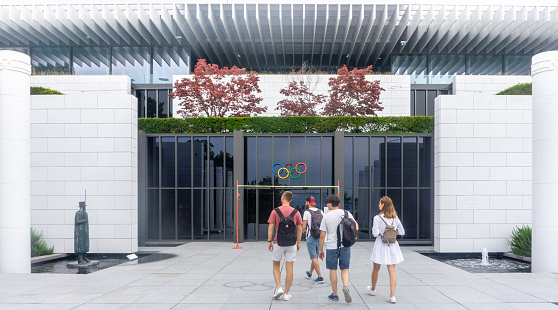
117,61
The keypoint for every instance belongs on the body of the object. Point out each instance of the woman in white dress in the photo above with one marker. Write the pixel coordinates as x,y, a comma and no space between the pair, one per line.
384,253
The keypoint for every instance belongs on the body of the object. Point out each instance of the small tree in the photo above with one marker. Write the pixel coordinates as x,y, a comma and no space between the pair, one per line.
350,94
301,100
218,92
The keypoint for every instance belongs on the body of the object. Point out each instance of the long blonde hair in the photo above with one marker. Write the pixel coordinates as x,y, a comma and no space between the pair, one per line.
388,210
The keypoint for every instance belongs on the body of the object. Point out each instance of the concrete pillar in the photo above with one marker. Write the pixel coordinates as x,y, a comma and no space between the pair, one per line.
238,170
545,166
15,213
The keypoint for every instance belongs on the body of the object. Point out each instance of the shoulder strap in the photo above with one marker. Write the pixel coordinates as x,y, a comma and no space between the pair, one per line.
293,213
380,216
279,212
346,213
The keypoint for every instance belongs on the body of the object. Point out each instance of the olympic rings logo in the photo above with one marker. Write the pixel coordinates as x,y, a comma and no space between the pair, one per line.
289,172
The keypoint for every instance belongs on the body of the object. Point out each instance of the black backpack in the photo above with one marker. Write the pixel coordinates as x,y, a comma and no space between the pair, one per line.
316,217
286,230
349,232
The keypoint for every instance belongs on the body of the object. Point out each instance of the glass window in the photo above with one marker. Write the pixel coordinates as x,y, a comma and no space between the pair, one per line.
362,211
394,161
216,214
484,64
327,161
395,195
130,60
409,214
167,163
199,213
348,200
169,60
229,164
297,156
377,161
230,211
168,213
184,214
153,161
265,206
184,154
518,65
153,214
216,161
151,103
432,94
410,161
140,94
361,165
91,60
348,164
413,112
313,161
280,155
409,65
447,64
163,103
425,161
425,214
420,102
50,60
250,214
265,158
200,162
250,160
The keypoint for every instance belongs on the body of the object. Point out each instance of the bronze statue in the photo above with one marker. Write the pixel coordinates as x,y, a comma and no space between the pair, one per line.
81,234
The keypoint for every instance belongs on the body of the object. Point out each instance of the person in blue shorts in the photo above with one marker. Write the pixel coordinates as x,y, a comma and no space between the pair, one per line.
311,222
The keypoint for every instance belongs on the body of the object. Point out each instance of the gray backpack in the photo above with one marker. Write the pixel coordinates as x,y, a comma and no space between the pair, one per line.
390,235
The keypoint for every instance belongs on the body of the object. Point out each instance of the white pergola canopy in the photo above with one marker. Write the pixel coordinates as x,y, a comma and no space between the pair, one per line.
260,35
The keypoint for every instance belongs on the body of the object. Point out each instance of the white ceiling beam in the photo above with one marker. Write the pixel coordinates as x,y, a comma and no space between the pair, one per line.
133,20
229,34
387,33
167,26
238,33
396,35
223,40
145,19
432,29
366,34
374,38
270,29
534,42
496,19
211,37
187,31
260,32
537,21
326,24
357,32
454,29
348,25
510,33
425,22
443,29
336,29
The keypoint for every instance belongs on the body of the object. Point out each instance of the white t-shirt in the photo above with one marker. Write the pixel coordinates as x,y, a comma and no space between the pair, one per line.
329,224
308,217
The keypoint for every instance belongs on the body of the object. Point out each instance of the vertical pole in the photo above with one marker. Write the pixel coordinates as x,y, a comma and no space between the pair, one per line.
237,195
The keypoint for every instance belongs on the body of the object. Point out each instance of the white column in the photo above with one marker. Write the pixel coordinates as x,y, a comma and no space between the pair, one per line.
545,165
15,215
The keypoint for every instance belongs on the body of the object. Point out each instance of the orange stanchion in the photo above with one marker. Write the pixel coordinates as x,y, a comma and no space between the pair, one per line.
237,195
337,188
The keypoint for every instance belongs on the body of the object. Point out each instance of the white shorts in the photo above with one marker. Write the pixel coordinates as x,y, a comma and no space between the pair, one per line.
288,251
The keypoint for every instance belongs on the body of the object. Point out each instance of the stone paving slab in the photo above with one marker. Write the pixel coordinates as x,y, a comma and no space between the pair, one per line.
211,275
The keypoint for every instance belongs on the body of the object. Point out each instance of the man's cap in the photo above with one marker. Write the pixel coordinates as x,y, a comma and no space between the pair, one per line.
82,204
311,200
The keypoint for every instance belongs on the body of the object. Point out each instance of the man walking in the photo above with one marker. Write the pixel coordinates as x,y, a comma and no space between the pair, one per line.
335,253
286,222
311,222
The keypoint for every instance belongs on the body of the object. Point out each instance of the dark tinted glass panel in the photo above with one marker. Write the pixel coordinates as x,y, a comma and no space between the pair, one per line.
281,155
163,103
361,166
216,161
153,214
184,162
297,156
393,161
229,162
432,94
130,60
377,161
409,214
425,161
250,214
200,161
216,214
377,194
184,213
168,166
199,213
420,102
266,205
140,94
413,103
168,214
230,211
151,103
265,158
91,60
348,200
410,162
170,60
327,161
395,195
361,211
153,161
250,160
425,214
348,165
170,105
313,161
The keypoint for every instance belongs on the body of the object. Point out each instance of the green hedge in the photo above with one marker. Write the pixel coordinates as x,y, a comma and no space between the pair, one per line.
39,246
520,243
289,124
519,89
44,91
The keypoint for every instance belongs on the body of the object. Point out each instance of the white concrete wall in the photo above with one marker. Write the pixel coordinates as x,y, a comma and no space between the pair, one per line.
396,99
85,141
482,171
91,84
486,84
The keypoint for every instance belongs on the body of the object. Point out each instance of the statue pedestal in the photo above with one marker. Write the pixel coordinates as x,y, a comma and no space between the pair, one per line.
85,265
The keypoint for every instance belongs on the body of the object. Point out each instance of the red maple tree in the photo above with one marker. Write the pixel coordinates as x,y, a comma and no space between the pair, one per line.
350,94
301,100
218,92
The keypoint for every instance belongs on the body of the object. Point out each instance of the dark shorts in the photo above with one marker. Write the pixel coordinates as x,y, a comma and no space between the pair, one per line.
312,244
342,255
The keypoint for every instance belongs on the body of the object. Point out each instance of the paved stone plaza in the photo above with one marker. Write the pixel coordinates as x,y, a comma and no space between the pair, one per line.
211,275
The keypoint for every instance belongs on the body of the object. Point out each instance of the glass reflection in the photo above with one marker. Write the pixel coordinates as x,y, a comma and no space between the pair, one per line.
327,161
361,165
409,215
153,214
394,161
184,214
153,161
184,161
168,213
348,164
313,161
280,155
167,163
410,161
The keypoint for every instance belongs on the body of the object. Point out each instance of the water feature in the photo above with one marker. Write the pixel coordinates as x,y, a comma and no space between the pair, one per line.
479,263
484,261
105,261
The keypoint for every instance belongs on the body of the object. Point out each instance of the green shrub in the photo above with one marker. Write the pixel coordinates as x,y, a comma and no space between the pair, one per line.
520,242
519,89
36,90
289,124
38,245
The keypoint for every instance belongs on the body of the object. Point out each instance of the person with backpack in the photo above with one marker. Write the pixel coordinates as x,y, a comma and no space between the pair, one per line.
341,230
386,251
286,222
311,222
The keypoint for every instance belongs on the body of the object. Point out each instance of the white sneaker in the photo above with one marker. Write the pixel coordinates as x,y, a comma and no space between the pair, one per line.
370,291
286,297
278,292
392,299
